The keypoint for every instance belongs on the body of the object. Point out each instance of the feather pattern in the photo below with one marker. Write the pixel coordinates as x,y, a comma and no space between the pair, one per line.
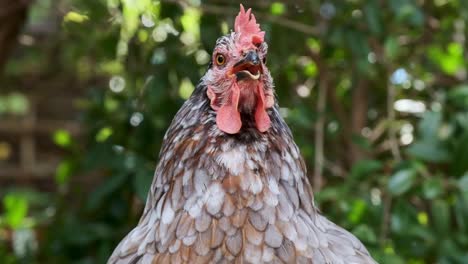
242,207
233,198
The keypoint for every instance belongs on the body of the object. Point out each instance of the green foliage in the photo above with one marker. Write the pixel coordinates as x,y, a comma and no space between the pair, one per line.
401,181
14,103
16,208
398,179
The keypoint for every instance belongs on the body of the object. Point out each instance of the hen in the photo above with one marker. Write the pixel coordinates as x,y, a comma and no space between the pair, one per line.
231,186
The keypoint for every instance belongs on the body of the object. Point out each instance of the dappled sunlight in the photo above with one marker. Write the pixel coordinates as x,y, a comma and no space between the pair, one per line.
409,106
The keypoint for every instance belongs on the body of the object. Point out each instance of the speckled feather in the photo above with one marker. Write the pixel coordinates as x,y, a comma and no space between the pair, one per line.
233,198
243,198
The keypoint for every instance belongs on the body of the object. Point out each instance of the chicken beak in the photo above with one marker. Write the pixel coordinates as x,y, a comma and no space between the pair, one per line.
251,57
249,67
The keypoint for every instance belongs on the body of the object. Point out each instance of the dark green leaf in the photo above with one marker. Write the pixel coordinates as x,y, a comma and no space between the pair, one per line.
391,47
365,233
401,181
106,189
429,150
142,182
441,216
365,168
463,183
372,12
432,188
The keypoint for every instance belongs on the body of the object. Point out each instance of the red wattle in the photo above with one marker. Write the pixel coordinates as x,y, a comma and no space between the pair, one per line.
228,117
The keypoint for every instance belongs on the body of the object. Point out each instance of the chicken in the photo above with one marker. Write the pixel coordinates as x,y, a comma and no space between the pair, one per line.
231,186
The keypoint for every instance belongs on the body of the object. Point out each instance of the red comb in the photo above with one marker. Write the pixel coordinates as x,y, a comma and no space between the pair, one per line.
247,28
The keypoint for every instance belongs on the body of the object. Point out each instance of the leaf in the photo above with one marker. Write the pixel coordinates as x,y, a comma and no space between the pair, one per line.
432,188
449,252
310,69
277,8
17,104
428,150
365,233
391,258
365,168
103,134
399,220
131,10
62,138
329,194
103,156
372,13
142,182
313,44
450,61
186,88
462,120
358,208
461,210
463,183
459,95
358,44
407,11
441,216
459,164
430,147
105,189
75,17
63,172
429,125
423,218
401,181
190,20
16,208
391,48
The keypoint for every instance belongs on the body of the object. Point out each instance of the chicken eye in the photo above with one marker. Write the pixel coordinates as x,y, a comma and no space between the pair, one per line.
264,60
220,59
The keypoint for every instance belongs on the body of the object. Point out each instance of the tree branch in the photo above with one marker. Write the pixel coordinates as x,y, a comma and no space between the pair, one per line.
319,133
391,93
360,95
13,7
319,126
12,18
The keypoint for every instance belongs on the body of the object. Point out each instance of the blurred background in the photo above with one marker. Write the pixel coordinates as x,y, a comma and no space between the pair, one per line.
376,94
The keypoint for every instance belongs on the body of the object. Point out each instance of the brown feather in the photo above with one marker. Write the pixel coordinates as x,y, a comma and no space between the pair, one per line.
233,198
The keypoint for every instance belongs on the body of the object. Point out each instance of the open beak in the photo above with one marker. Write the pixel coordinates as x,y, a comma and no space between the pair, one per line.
249,67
